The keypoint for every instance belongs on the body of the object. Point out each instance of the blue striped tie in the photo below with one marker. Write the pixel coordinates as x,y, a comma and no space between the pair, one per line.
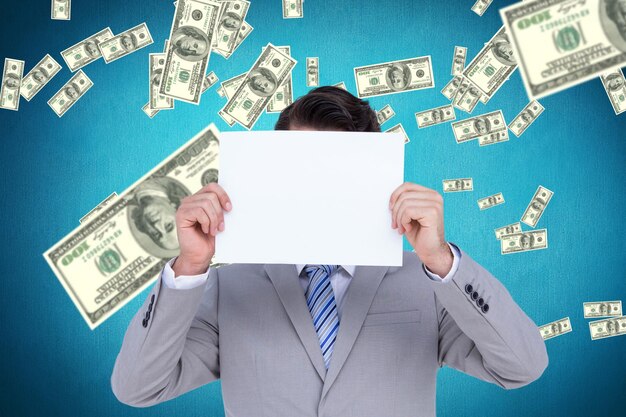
321,301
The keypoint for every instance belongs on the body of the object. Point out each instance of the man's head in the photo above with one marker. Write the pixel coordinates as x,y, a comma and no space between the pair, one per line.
328,108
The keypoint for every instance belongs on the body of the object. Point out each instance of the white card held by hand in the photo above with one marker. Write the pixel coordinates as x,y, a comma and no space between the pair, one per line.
310,197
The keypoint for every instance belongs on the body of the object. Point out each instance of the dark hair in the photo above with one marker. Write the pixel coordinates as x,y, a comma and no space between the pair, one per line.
329,108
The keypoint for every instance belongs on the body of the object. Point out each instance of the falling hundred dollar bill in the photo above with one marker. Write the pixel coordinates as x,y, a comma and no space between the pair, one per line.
61,9
39,76
524,241
69,94
490,201
292,9
555,328
11,82
537,206
602,309
458,61
525,118
312,71
86,51
615,86
601,329
385,114
509,229
435,116
394,77
458,184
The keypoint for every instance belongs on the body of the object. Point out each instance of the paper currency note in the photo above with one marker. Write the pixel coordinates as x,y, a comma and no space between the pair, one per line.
525,118
449,90
524,241
220,91
106,261
292,9
60,9
602,309
490,201
385,114
494,137
537,206
39,76
398,129
480,6
493,65
69,94
562,43
479,126
245,30
312,72
101,206
125,43
209,81
283,96
509,229
435,116
458,62
394,77
11,82
458,184
601,329
85,51
615,86
341,84
555,328
268,72
158,101
467,97
193,27
229,120
232,15
231,85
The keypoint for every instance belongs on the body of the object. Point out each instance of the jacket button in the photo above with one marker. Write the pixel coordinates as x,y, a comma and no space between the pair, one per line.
480,302
474,295
468,288
485,308
152,299
144,322
147,315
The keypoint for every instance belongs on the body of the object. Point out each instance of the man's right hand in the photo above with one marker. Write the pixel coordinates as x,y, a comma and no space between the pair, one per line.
199,218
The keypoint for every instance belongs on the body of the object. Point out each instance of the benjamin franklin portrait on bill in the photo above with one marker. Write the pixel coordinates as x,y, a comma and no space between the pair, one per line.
502,50
613,19
11,81
190,43
398,76
263,82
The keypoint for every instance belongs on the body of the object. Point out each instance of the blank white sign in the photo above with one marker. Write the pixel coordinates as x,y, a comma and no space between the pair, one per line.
310,197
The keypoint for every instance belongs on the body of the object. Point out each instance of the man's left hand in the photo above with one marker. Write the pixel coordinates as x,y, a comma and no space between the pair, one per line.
417,212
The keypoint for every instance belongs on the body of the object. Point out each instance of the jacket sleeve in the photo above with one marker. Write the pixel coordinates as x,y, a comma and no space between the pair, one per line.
483,332
171,345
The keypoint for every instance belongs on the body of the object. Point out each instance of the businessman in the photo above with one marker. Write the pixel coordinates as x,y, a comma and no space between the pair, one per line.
324,340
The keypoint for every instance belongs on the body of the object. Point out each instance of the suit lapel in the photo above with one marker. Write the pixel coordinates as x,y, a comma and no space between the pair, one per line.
287,284
358,299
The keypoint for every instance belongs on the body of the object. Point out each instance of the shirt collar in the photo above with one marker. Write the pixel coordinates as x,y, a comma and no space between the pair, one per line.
348,268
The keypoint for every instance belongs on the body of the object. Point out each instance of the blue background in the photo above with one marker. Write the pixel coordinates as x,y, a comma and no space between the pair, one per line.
56,169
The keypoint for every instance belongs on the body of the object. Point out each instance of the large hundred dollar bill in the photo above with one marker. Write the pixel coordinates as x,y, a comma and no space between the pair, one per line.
61,9
562,43
493,65
125,43
484,125
245,30
194,25
509,229
265,76
283,96
11,82
394,77
458,62
106,261
85,51
601,329
537,206
435,116
490,201
457,185
555,328
615,86
157,101
399,129
602,309
97,209
69,94
525,118
524,241
292,9
231,18
385,114
312,71
39,76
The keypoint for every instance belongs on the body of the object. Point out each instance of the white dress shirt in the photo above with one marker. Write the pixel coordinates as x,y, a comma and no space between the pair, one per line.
339,280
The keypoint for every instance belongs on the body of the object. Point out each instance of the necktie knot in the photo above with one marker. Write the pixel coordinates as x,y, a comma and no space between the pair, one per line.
314,270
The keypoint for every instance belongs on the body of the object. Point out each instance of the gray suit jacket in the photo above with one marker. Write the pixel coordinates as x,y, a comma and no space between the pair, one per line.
250,327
